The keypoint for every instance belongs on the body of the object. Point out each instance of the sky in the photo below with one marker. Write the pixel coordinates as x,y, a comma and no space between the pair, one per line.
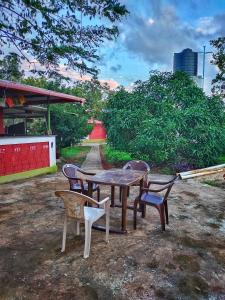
153,31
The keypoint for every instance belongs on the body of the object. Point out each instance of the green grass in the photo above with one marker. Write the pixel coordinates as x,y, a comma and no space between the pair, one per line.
75,154
216,183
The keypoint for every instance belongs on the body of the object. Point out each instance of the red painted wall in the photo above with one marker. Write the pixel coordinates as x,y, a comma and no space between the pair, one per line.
23,157
98,132
2,129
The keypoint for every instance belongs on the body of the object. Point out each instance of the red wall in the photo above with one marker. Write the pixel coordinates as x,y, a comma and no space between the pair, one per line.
23,157
98,132
2,129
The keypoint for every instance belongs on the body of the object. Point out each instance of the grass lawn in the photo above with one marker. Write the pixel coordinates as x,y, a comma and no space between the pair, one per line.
75,154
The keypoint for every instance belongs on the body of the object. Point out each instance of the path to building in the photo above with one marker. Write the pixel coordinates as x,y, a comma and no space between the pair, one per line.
93,160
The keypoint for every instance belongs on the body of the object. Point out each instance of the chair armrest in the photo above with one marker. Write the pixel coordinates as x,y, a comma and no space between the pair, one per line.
105,204
103,201
86,173
157,190
162,182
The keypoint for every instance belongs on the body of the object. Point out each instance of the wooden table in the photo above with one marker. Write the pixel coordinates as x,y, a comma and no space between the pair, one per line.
121,178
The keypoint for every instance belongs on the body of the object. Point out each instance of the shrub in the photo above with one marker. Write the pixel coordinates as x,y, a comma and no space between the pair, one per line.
116,157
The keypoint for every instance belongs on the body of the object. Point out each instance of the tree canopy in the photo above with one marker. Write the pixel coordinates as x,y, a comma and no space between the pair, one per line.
69,121
219,61
10,68
59,31
167,119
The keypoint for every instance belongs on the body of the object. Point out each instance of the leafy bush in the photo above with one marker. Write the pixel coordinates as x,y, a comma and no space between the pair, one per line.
116,157
167,119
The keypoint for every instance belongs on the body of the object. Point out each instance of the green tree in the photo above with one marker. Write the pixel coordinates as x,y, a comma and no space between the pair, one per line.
59,31
167,119
219,61
10,68
68,121
95,94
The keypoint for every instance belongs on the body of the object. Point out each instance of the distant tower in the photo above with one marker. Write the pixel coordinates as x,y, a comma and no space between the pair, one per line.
186,61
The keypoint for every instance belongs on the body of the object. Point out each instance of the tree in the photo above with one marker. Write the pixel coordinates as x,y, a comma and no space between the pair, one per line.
167,119
10,68
219,61
59,31
95,94
68,121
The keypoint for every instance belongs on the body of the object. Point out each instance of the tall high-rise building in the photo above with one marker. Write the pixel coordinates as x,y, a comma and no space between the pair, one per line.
186,61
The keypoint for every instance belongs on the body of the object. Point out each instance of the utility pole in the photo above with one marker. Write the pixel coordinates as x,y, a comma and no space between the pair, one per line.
203,65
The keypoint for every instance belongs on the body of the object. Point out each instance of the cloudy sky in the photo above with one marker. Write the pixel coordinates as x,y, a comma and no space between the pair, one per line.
154,30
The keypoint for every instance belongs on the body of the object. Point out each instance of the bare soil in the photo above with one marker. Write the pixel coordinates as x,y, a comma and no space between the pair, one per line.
186,262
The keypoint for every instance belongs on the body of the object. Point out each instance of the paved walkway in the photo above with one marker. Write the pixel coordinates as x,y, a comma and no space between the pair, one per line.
93,160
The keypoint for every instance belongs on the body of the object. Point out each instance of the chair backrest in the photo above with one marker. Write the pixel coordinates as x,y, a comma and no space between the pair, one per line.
169,186
70,171
74,203
138,165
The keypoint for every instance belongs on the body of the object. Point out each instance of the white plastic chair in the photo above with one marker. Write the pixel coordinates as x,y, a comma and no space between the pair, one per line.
75,208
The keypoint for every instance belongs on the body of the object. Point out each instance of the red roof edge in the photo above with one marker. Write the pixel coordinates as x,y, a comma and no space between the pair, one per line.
10,85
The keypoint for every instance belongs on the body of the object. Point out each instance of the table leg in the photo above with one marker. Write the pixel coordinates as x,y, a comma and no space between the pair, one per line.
112,196
124,209
90,189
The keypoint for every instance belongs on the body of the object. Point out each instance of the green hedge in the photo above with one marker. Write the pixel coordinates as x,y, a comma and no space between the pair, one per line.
116,157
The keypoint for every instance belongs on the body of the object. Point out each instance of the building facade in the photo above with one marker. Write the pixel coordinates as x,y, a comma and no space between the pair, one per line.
186,61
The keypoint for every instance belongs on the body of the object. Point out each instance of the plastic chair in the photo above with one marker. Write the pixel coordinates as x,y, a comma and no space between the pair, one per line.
138,165
77,184
153,198
74,204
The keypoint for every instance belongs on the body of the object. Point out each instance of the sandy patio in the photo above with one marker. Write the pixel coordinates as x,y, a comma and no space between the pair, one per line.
185,262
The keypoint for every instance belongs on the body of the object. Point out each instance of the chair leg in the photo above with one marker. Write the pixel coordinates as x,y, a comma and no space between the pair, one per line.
135,213
78,228
87,245
166,212
143,209
162,216
98,194
64,234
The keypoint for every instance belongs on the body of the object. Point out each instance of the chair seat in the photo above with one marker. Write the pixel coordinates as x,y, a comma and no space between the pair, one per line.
92,213
77,187
152,198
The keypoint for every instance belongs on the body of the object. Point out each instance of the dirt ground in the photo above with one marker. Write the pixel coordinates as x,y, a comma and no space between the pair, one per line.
185,262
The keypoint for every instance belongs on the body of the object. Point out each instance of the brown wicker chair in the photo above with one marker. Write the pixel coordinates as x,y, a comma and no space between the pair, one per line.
77,184
153,198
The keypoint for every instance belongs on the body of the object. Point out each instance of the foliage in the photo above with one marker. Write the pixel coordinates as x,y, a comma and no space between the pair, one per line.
93,91
10,68
95,94
167,119
37,127
53,30
219,61
68,121
116,157
219,58
75,154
